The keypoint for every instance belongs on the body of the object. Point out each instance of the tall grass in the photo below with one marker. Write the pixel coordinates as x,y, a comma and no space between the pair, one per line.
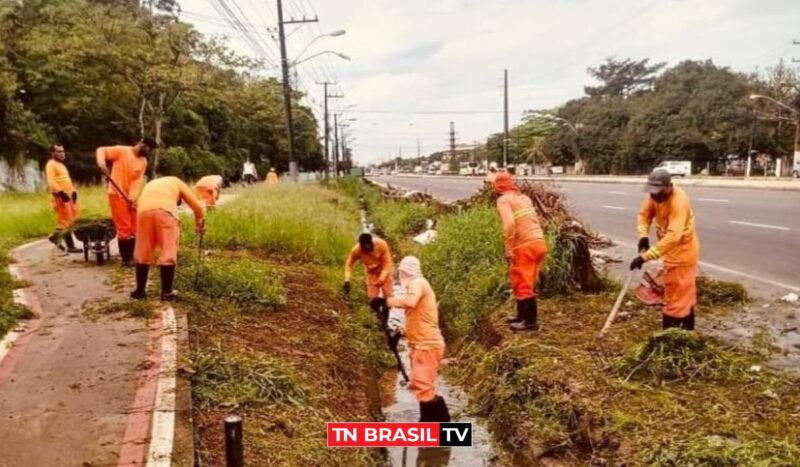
399,219
25,216
308,223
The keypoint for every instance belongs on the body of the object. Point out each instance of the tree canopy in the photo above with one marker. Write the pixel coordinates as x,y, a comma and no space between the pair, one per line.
89,73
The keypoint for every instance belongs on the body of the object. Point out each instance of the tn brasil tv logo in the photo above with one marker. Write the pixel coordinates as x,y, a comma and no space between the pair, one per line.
394,434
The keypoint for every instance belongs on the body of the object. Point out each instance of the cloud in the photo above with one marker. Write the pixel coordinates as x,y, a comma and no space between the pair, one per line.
436,55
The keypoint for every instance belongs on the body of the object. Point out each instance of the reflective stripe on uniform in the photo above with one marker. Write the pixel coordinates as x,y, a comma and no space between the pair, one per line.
653,253
524,212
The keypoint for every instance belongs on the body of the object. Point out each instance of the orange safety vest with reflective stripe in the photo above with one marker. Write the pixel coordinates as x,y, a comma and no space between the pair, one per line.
678,244
58,177
526,228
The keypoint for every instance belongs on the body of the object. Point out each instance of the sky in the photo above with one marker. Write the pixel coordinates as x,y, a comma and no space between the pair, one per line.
417,65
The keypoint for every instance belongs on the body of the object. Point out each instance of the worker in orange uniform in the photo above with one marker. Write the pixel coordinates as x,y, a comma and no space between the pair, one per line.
374,254
209,188
525,249
678,246
158,228
272,178
126,178
64,198
425,341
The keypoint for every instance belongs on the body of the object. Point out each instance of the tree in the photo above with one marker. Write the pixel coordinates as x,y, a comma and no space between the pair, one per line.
623,78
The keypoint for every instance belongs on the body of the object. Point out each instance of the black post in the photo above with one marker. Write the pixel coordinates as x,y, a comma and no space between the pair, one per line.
327,134
234,451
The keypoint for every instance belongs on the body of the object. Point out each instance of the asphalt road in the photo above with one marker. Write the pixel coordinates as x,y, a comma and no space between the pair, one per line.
749,235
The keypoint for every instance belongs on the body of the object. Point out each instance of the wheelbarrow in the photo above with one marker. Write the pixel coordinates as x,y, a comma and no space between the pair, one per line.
96,236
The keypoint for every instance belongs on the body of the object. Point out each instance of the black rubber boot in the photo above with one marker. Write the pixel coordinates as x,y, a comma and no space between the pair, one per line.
518,318
688,322
125,251
55,239
530,316
425,412
142,270
71,243
439,408
167,278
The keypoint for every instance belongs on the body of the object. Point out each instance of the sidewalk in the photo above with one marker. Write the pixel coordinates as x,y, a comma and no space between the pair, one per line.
88,389
752,183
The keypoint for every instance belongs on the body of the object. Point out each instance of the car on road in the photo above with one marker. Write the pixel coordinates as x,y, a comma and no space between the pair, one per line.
677,168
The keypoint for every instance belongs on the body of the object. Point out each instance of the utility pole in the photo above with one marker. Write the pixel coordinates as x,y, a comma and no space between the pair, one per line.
505,119
795,59
287,86
335,146
325,84
452,140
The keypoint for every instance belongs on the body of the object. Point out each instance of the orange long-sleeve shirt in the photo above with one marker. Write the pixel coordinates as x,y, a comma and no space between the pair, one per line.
128,171
57,177
678,244
422,314
378,261
520,221
210,181
164,193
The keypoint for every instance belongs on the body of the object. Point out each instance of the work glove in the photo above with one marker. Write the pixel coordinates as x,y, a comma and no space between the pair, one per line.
394,340
637,263
644,244
346,289
63,196
74,196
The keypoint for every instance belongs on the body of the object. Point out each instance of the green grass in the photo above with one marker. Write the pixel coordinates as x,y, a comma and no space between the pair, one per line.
240,279
27,216
307,223
255,381
399,219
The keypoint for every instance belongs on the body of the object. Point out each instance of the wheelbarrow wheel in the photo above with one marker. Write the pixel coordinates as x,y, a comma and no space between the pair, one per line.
101,257
86,244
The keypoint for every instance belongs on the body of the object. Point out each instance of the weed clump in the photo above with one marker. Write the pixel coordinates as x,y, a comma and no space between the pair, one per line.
675,355
224,379
719,451
716,293
246,282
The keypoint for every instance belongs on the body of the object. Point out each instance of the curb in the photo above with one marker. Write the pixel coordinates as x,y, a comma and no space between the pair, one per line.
786,185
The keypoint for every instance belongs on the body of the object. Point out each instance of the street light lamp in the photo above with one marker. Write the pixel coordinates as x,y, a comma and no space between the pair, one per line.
337,33
338,54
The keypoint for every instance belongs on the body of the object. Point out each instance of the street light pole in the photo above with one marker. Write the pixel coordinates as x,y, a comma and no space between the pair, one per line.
287,86
505,119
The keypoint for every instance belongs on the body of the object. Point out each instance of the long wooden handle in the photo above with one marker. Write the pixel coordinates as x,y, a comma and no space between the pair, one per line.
118,190
617,304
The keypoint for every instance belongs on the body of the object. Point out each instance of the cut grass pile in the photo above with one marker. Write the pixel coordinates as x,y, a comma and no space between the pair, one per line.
675,355
716,293
223,379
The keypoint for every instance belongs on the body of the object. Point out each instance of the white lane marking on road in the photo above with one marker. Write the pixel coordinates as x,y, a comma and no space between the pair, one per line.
162,433
618,193
617,208
734,272
761,226
713,200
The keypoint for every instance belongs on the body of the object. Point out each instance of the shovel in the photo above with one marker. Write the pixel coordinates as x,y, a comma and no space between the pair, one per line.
617,304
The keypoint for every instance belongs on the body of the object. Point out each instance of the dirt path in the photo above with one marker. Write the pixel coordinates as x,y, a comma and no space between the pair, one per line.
79,385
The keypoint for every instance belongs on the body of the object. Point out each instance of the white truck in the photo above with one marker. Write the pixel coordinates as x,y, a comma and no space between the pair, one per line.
468,168
677,168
